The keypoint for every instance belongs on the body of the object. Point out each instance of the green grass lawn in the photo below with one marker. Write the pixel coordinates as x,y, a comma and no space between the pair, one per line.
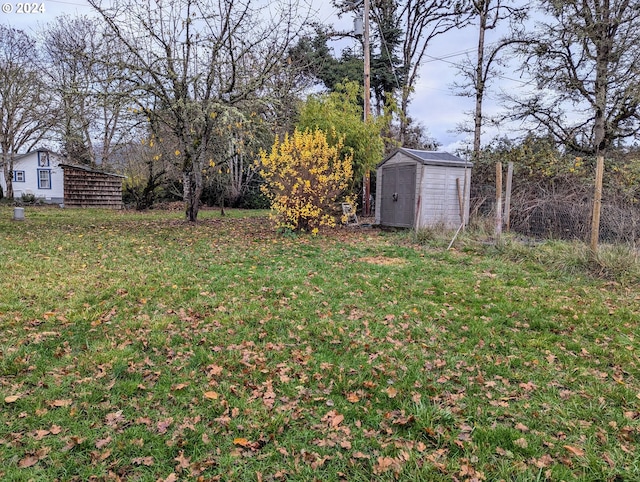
136,346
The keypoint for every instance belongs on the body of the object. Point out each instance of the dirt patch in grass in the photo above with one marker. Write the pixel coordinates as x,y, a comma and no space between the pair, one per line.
384,261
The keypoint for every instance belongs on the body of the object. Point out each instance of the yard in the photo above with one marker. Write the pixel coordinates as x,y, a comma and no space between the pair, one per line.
136,346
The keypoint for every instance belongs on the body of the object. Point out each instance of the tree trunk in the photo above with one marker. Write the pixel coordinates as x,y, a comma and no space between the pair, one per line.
7,165
404,116
477,118
192,190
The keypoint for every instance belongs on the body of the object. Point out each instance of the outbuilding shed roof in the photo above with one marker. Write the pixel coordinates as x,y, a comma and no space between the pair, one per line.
88,169
431,158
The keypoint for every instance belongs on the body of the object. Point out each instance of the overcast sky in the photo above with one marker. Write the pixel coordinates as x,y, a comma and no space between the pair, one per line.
433,104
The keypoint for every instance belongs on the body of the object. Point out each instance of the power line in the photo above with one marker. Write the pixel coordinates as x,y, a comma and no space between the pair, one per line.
449,56
69,3
389,57
500,76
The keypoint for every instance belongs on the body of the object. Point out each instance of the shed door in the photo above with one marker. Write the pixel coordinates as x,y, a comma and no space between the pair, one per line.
398,195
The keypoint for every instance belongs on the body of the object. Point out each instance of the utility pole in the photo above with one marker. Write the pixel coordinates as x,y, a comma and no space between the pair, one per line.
366,186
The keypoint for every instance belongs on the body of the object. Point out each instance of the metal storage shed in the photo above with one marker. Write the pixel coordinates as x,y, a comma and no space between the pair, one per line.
422,188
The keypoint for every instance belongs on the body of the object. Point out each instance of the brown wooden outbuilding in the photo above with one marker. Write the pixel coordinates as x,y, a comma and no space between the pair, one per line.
85,187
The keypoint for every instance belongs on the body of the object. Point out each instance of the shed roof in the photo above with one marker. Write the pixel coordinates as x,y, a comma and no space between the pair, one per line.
430,158
88,169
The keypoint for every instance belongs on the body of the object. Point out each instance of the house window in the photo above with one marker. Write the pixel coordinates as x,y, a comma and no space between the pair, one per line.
43,159
44,179
18,176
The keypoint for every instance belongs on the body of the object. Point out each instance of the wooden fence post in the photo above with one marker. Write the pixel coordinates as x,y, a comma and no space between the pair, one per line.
498,201
507,200
597,205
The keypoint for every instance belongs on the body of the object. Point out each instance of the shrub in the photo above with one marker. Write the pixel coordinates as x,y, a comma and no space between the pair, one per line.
304,179
28,198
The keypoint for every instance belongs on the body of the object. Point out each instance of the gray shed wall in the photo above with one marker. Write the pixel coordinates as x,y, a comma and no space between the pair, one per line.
439,201
435,193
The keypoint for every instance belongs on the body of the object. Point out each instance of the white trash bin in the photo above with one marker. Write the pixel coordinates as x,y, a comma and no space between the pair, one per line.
18,214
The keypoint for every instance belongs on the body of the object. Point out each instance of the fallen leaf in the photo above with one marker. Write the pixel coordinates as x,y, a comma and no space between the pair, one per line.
391,392
28,461
11,398
214,370
528,387
383,464
360,455
269,397
163,425
337,420
179,386
103,442
543,462
521,442
353,398
607,458
42,452
147,461
103,456
40,434
60,403
112,419
319,462
241,441
183,462
574,450
211,395
72,442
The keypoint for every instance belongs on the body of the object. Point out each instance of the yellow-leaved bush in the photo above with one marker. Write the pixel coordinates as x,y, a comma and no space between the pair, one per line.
305,178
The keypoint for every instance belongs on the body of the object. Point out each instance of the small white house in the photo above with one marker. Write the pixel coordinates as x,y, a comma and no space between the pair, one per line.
416,189
38,173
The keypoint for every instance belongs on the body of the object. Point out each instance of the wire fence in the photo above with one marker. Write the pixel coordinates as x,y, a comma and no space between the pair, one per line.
563,215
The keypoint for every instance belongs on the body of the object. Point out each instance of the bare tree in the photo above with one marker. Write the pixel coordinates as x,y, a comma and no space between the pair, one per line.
192,60
586,60
25,103
91,90
422,21
488,15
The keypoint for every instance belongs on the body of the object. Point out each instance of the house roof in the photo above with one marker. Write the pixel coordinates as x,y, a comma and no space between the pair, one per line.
89,169
18,157
430,158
